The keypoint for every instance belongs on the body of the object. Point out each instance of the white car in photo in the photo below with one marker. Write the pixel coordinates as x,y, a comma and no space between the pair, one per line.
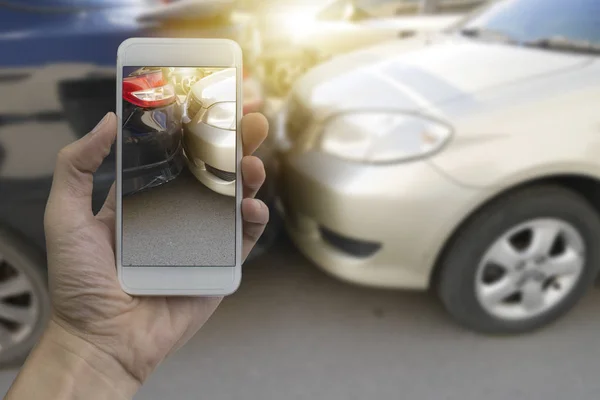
209,126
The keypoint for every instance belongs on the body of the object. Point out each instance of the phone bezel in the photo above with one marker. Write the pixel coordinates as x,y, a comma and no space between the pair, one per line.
179,280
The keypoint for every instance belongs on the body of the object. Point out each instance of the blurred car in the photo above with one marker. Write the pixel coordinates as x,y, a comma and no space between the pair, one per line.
294,38
467,162
57,77
210,131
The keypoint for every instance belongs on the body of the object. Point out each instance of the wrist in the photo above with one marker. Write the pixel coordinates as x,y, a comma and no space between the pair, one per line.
65,366
108,368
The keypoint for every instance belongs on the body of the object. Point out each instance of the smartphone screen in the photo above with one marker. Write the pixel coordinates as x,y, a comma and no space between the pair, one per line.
179,164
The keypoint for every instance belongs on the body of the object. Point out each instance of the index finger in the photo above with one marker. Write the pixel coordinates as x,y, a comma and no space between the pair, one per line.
255,128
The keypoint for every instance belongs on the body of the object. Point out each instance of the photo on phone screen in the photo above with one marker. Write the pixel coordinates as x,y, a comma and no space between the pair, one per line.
178,166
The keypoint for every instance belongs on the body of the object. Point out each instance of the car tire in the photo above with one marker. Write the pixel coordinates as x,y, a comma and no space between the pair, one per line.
464,281
23,268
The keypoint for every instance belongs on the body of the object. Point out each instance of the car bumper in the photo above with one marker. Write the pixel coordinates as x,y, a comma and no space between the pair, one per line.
152,148
379,226
211,156
210,180
149,176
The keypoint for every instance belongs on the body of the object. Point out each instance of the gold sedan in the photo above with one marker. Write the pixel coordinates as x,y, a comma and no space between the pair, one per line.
464,162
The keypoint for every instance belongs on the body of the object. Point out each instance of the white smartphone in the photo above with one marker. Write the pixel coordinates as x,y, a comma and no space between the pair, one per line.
178,180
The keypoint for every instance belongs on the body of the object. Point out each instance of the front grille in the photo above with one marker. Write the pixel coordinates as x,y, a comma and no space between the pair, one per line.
298,119
224,175
194,106
354,247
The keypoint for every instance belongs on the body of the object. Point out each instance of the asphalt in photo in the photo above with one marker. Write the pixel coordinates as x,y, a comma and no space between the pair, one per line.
179,223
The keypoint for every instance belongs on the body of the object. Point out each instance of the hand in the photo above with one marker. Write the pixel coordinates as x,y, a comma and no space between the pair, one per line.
88,303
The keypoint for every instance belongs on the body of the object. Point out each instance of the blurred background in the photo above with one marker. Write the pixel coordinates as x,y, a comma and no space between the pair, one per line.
433,182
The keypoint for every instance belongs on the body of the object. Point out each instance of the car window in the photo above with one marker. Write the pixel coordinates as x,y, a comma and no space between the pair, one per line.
531,20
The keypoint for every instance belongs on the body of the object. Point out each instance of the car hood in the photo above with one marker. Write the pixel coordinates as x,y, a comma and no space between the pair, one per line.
217,87
416,76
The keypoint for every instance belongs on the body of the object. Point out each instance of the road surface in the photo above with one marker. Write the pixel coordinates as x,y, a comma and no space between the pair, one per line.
179,223
294,333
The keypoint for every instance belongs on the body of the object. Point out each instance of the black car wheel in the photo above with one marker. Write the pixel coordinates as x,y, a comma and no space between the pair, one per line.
522,261
24,300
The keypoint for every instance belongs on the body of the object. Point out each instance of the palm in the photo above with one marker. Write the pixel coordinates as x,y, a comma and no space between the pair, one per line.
86,295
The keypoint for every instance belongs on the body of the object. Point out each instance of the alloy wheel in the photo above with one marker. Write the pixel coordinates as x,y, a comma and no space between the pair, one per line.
530,269
19,306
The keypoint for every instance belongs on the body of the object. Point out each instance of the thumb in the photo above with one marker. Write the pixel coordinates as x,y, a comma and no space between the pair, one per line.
76,163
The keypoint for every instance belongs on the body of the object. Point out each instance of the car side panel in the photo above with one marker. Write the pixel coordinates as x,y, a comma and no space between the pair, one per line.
150,136
541,128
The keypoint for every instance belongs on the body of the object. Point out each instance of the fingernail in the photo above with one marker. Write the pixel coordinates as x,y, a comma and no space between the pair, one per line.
99,124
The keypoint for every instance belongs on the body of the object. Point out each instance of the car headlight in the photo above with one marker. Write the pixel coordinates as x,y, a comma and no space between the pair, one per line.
382,137
221,115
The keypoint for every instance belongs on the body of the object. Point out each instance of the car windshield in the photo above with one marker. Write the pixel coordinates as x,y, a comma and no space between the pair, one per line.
552,24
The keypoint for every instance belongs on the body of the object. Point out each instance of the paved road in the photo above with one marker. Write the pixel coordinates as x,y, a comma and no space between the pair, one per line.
162,224
292,332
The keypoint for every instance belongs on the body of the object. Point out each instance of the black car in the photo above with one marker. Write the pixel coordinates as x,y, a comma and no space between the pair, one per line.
152,147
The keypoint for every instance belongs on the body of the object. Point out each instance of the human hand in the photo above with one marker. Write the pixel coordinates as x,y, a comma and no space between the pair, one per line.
88,303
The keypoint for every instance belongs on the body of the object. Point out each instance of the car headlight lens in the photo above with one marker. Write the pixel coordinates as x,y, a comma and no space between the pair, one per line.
381,137
222,115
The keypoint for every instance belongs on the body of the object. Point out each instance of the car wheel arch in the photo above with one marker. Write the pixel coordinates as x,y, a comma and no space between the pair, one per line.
584,184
